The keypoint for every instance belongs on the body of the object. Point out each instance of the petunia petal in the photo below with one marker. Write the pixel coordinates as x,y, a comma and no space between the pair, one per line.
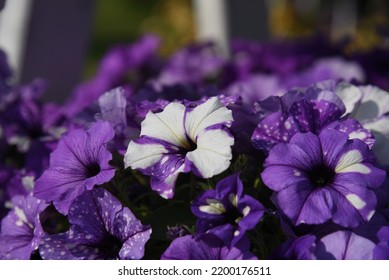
211,157
210,113
167,125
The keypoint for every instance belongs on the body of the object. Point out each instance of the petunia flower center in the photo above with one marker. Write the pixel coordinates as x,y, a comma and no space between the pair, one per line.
192,145
110,247
189,146
321,175
233,216
92,170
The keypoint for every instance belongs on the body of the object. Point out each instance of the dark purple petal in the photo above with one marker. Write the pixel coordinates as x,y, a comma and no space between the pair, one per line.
299,249
206,247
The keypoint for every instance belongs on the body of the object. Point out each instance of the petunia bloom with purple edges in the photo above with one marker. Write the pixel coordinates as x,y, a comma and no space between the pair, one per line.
21,230
307,110
324,178
80,162
226,211
182,139
370,106
207,247
100,228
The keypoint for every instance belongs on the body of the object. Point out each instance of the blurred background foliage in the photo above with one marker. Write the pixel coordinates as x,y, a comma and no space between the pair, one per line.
123,21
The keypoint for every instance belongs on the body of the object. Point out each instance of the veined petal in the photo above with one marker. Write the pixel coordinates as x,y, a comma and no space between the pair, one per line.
211,112
213,153
350,159
143,155
167,125
346,245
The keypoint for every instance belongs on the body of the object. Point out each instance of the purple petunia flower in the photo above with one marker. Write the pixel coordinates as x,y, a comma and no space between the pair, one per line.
207,247
101,228
182,139
339,245
311,109
80,162
324,178
21,230
226,212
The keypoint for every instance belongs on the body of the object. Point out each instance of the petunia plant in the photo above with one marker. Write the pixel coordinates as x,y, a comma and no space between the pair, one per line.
279,151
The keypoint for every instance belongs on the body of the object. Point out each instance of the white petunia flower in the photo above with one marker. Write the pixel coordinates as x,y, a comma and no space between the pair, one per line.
182,139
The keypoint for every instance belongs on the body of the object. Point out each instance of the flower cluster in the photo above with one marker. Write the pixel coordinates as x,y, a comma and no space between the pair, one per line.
280,151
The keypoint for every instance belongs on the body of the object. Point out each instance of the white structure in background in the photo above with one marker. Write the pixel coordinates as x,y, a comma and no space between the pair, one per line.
222,20
344,19
13,27
47,39
211,22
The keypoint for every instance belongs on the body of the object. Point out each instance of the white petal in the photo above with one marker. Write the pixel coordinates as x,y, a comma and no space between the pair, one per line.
357,168
213,153
143,155
356,201
375,103
380,125
214,207
246,211
167,125
350,158
207,114
350,95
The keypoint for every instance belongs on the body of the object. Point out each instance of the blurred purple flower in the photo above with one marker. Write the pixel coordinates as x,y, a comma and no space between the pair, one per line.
31,126
376,65
112,72
207,247
226,211
100,228
331,68
324,178
192,65
80,161
21,230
